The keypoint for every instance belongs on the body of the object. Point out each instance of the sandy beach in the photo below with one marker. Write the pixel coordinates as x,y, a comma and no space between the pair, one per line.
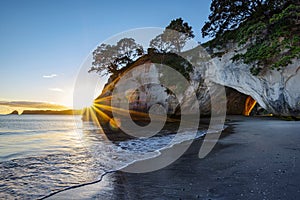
256,158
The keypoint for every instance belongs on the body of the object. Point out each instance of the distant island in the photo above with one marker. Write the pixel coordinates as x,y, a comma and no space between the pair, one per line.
48,112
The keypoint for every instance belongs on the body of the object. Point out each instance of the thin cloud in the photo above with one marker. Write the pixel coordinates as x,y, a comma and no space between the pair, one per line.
56,89
50,76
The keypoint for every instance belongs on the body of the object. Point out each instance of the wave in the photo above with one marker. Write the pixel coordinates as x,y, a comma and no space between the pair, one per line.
71,157
144,145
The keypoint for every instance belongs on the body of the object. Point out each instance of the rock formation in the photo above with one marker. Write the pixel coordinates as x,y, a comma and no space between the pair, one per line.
276,91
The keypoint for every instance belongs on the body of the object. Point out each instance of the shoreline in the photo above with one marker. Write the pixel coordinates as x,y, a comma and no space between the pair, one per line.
255,158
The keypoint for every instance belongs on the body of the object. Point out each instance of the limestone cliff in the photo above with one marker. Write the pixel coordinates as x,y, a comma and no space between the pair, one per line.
276,91
154,94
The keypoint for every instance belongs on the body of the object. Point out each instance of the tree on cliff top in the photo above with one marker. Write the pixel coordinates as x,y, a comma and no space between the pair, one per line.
174,37
269,28
229,14
109,59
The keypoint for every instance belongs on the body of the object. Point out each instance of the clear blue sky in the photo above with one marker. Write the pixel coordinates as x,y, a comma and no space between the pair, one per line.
53,37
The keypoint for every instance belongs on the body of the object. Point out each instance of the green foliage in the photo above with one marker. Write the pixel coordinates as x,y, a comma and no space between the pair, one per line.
176,62
255,70
109,59
181,27
169,59
174,37
273,39
276,41
227,15
115,59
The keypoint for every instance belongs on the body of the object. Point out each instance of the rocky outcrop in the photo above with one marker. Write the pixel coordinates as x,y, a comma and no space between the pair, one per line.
147,95
15,112
276,91
47,112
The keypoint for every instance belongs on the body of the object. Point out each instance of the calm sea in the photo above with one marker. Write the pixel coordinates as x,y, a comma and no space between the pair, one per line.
41,154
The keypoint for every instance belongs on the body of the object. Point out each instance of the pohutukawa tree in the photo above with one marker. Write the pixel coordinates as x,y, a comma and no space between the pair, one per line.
270,28
229,14
174,37
109,59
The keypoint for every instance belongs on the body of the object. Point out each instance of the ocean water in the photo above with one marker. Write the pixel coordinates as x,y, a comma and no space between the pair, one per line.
42,154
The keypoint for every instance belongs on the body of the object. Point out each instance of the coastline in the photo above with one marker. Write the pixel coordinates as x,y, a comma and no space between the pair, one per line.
45,112
255,158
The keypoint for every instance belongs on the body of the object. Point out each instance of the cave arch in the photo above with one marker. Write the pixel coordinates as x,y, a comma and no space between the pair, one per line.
239,103
249,105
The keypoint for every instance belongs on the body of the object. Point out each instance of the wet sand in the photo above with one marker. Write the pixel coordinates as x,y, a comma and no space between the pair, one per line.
256,158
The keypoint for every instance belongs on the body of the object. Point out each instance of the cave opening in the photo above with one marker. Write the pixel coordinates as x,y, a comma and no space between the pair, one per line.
241,104
249,105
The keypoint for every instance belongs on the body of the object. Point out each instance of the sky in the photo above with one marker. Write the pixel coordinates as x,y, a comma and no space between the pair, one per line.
44,43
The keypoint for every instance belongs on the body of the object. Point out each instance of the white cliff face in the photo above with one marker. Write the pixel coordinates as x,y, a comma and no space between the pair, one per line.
140,88
276,91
